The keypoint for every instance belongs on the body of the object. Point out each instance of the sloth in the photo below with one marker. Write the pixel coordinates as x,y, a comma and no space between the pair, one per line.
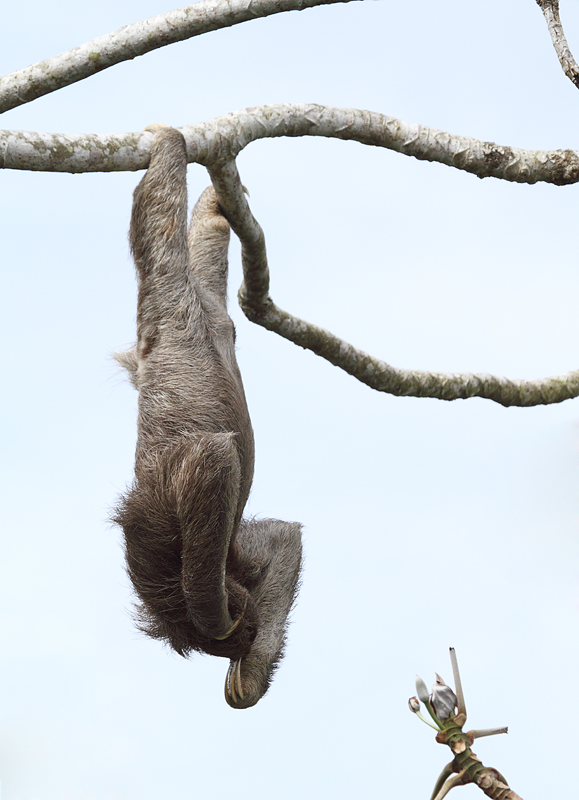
206,579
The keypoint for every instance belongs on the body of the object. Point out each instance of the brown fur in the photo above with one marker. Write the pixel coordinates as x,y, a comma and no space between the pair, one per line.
196,566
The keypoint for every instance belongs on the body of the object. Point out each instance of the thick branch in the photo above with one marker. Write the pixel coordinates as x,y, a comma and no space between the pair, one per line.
223,138
135,40
550,9
259,308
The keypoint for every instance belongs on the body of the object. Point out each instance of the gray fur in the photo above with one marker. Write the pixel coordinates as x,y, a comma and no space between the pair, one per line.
196,566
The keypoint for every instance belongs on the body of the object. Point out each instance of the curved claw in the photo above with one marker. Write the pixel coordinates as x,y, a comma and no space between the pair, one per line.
233,686
228,633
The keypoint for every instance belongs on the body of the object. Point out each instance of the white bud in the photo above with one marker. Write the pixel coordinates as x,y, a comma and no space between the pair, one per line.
421,690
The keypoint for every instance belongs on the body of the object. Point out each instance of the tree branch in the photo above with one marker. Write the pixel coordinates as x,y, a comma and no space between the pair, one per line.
135,40
457,780
550,9
258,307
224,137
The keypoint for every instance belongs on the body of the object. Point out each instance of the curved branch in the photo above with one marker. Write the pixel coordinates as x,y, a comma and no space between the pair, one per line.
258,306
224,137
550,9
135,40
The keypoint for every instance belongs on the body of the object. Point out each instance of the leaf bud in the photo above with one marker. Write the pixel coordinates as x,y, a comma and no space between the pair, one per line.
422,691
414,705
443,699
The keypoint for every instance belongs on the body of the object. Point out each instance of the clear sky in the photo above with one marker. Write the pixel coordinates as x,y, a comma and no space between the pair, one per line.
426,524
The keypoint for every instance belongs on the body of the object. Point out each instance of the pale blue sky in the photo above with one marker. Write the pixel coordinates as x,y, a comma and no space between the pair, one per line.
426,524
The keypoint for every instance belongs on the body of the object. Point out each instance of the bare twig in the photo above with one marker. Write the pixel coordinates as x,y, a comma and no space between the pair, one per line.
135,40
442,778
550,9
457,780
478,734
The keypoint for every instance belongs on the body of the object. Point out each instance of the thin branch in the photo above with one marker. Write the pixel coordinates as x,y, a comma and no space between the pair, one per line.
457,780
221,139
441,780
479,733
550,9
135,40
259,308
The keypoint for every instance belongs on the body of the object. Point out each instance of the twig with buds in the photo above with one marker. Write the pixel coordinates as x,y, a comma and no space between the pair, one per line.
448,712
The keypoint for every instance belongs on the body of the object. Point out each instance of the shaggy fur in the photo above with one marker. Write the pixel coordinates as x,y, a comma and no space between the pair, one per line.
196,566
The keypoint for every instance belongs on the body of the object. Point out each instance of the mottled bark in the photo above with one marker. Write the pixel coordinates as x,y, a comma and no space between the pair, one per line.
216,144
550,9
258,306
223,138
135,40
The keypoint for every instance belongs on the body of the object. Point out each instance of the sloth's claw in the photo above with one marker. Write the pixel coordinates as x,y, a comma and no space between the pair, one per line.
233,687
240,691
228,633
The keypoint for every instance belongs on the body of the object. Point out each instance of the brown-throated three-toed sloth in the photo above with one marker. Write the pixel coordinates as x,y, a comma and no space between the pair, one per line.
206,579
